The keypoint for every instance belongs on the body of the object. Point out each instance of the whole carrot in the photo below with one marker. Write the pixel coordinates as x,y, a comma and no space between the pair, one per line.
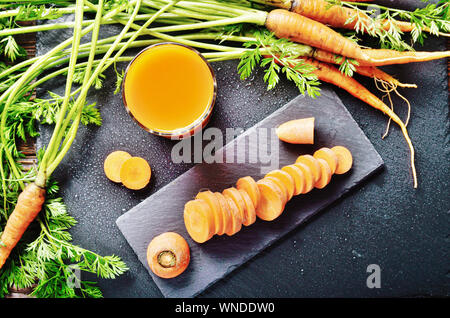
332,75
29,204
289,25
338,16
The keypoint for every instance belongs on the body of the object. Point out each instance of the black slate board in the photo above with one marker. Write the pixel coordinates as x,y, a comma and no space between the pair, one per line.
163,211
384,221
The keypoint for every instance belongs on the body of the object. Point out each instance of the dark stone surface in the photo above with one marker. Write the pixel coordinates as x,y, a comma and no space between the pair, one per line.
384,221
211,261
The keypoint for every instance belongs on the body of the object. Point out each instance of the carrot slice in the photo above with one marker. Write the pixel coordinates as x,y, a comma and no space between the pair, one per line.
235,195
280,184
199,220
168,255
270,204
248,184
236,219
135,173
312,164
113,163
308,176
329,156
297,131
325,176
214,204
226,214
250,212
286,178
345,159
297,175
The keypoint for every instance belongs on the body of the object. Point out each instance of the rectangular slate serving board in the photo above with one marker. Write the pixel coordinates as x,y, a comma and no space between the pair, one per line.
211,261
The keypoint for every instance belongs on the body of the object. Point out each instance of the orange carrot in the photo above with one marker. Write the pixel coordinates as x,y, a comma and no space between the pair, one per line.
297,131
342,17
289,25
168,255
29,204
113,163
135,173
330,74
345,159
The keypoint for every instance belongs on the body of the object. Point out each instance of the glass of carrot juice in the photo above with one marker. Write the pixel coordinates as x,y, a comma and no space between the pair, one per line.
170,90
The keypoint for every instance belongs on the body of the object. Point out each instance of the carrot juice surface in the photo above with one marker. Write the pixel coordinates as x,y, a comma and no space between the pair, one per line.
169,88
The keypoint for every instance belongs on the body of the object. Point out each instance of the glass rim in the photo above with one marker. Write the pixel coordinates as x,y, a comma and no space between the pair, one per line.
180,132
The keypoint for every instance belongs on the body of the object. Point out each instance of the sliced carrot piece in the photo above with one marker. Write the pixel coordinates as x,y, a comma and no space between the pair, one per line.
297,175
270,204
287,180
226,214
325,175
312,164
113,163
236,219
135,173
199,220
345,159
308,176
235,195
298,131
280,184
248,184
329,156
214,204
250,212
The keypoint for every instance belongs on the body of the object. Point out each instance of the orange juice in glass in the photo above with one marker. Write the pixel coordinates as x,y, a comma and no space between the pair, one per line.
170,90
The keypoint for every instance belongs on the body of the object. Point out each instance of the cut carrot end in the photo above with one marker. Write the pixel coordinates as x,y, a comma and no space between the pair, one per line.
298,131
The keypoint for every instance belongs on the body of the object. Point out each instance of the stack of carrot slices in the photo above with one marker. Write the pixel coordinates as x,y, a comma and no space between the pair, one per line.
215,213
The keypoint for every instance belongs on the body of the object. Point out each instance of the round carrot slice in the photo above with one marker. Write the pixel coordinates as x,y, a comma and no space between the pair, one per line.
225,211
113,163
282,187
297,175
214,204
250,213
308,177
236,219
287,180
325,175
248,184
168,255
345,159
312,164
135,173
199,220
235,195
270,204
329,156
